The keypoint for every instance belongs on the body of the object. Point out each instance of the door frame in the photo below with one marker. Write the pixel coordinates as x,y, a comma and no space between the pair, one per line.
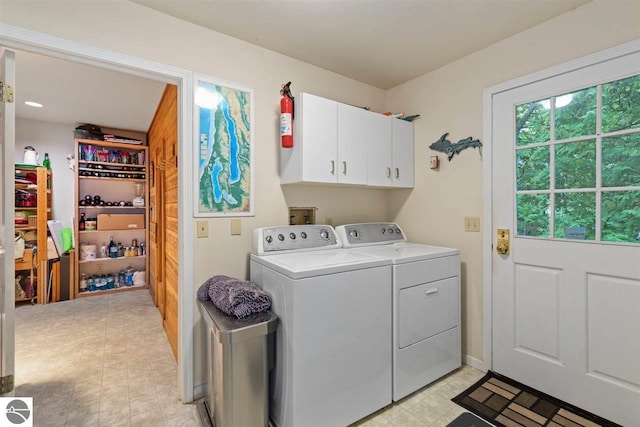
487,172
18,38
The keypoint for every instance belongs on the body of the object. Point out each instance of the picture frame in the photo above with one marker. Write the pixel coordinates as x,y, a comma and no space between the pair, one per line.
223,160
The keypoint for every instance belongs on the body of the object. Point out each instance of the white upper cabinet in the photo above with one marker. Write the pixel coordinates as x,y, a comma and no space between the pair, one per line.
314,156
336,143
402,153
379,153
352,144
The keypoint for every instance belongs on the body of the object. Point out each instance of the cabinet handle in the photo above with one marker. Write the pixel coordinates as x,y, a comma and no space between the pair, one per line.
344,168
388,172
397,173
333,167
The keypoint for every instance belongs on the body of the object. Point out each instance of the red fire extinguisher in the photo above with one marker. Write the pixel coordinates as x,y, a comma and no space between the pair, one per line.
286,116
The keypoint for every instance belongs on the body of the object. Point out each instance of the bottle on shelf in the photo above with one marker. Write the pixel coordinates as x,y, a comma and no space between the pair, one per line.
113,249
46,162
82,222
103,250
83,283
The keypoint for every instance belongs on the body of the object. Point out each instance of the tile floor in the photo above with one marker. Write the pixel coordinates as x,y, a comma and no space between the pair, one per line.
105,361
98,361
430,406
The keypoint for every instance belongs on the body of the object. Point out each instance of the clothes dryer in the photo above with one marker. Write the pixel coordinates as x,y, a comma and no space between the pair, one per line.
332,346
426,334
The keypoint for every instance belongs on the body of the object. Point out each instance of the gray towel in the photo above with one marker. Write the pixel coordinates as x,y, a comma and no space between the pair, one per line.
238,298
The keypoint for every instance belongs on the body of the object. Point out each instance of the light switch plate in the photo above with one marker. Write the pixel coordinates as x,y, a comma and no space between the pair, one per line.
236,227
471,223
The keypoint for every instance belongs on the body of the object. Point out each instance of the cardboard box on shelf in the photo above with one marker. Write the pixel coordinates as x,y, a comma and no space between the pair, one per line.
120,221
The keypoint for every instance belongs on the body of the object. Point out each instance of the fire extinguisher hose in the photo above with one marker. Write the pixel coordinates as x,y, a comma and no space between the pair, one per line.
286,91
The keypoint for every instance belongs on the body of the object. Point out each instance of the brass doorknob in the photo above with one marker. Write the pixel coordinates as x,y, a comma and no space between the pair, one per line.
502,246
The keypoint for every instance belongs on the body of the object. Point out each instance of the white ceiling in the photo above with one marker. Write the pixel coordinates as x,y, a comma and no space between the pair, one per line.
379,42
77,93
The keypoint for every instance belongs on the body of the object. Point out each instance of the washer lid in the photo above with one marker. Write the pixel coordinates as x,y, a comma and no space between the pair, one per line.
300,265
400,253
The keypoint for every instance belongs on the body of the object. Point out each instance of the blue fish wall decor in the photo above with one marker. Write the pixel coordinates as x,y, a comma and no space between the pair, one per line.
445,146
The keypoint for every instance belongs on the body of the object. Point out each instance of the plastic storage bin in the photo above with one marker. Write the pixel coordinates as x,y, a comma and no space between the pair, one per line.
239,358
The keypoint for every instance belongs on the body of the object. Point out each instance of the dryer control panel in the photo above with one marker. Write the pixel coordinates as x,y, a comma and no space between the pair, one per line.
294,238
370,233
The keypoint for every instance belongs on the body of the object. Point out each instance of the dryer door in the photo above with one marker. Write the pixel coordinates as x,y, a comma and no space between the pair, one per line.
427,310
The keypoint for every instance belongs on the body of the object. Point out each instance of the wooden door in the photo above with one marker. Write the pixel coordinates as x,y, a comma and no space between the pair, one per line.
156,239
163,141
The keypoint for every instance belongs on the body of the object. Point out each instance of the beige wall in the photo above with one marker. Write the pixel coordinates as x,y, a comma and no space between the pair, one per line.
450,100
128,28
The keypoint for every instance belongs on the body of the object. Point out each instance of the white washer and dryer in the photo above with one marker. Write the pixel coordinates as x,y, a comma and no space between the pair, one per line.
426,302
332,346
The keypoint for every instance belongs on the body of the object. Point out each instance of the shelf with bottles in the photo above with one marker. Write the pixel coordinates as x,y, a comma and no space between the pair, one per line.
33,201
124,279
111,207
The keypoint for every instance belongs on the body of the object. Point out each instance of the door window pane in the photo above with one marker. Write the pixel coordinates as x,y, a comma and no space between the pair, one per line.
621,104
532,168
621,216
621,161
576,165
576,114
575,216
596,153
533,123
533,215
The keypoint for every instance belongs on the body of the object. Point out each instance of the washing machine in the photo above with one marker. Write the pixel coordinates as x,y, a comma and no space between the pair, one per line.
426,335
332,346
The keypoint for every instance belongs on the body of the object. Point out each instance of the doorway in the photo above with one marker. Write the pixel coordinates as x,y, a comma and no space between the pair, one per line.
35,42
563,287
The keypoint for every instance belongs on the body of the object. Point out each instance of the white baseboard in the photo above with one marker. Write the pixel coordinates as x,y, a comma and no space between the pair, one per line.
473,362
199,391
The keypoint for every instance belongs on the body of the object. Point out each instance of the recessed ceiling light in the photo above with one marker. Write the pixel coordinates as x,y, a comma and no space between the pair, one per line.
33,104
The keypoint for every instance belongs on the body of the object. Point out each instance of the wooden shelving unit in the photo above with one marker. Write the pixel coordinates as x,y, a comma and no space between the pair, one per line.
113,179
38,262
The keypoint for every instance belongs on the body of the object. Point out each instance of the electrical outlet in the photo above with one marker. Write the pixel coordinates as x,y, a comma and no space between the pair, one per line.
471,223
99,267
202,229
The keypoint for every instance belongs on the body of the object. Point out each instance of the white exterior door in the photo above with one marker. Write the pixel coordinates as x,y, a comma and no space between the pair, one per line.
566,183
7,291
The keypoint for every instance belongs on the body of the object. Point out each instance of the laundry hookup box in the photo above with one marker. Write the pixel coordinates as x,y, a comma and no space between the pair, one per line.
120,221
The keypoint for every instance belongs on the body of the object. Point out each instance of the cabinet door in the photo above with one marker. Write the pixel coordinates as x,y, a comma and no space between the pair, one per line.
402,146
352,144
319,138
379,151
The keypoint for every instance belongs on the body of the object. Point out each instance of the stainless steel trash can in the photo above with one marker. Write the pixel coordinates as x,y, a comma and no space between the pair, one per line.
240,356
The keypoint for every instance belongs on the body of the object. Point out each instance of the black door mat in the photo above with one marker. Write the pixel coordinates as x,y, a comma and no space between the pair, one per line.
506,403
468,420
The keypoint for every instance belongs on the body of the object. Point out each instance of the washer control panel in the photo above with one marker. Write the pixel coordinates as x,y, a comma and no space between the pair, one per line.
371,233
294,238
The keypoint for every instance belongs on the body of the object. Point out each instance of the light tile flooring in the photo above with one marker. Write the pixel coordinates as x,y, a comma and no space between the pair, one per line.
98,361
430,406
105,361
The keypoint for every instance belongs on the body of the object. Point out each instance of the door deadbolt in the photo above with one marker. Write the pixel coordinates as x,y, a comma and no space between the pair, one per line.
503,241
